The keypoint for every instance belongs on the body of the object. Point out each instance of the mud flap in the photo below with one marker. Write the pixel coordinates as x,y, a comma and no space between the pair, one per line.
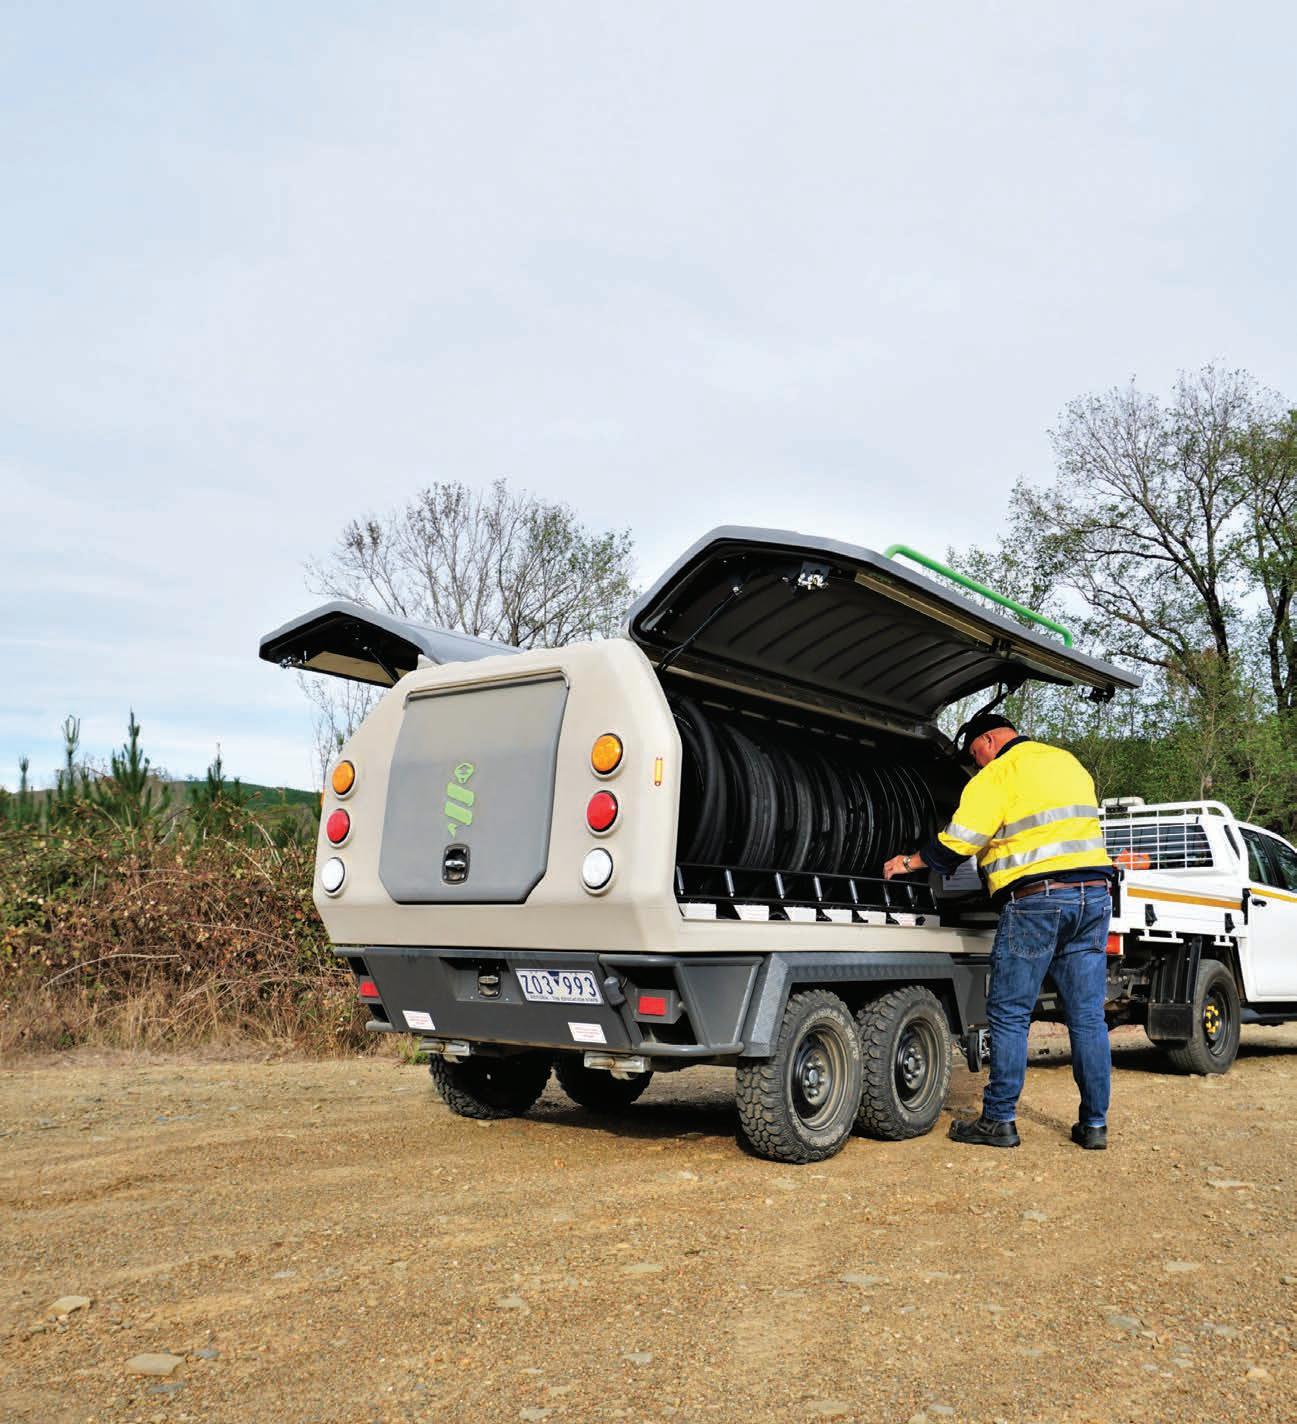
1171,1007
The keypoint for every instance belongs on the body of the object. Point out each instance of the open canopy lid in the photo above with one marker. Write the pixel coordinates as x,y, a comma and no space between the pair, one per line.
347,640
843,624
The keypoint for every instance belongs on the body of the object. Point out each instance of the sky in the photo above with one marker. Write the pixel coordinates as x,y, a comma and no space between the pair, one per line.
836,268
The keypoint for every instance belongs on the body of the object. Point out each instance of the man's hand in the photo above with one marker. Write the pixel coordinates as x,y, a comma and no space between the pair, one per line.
902,865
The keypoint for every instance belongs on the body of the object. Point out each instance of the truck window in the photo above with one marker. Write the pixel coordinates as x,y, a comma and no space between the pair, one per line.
1258,858
1285,859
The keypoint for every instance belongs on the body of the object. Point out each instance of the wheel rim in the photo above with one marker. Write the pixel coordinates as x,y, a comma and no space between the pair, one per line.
1215,1022
918,1054
819,1074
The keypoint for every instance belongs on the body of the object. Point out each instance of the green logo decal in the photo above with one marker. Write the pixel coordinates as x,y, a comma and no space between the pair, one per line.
459,799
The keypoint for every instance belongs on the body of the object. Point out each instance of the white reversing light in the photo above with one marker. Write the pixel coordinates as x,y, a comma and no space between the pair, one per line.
332,874
596,870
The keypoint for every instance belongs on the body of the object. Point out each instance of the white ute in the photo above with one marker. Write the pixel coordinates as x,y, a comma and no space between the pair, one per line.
1204,929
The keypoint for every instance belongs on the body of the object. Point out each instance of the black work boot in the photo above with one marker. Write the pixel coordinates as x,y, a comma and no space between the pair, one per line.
1093,1139
985,1133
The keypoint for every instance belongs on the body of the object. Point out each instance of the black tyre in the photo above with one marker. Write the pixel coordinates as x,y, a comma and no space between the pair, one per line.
491,1087
1216,1023
596,1089
905,1043
799,1105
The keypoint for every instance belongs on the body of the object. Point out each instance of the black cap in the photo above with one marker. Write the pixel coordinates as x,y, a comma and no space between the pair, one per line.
978,726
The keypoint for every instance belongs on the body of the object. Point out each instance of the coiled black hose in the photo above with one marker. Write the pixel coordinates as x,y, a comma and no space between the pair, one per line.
759,794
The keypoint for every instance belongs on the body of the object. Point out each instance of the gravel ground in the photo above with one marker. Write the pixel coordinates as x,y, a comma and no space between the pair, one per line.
325,1241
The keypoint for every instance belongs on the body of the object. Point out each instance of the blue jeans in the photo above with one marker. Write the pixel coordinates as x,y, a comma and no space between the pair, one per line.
1062,933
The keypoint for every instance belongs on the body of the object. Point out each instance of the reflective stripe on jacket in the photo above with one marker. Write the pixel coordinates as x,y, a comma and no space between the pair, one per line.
1031,811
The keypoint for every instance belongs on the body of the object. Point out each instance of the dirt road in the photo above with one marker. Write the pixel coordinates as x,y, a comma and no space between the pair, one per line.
324,1241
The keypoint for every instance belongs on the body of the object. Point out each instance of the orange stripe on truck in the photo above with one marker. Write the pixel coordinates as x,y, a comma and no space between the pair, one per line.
1178,898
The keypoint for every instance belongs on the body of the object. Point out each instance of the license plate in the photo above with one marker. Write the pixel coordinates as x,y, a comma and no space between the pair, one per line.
558,986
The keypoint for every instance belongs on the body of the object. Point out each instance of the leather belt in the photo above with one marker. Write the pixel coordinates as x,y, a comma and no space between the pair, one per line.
1040,886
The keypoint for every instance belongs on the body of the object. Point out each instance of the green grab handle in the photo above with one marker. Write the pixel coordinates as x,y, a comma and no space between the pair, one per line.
974,587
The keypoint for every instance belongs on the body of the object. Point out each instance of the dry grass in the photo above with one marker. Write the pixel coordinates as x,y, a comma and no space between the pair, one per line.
154,1017
155,945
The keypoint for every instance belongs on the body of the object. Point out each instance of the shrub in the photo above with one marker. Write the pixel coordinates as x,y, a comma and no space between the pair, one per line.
154,940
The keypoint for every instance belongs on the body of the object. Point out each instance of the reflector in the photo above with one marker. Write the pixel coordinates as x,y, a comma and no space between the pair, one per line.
368,989
653,1004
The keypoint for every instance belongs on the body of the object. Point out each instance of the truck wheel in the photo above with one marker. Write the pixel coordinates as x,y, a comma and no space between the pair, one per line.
799,1105
596,1089
906,1047
491,1087
1214,1045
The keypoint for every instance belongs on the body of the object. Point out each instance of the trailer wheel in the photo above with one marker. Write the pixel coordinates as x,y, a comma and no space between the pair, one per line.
1214,1045
906,1046
799,1104
492,1087
594,1088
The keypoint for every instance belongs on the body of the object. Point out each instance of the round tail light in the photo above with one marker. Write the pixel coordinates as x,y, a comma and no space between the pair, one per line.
601,812
606,754
343,778
338,827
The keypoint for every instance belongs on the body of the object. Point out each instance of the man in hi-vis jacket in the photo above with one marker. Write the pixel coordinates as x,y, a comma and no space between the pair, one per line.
1030,818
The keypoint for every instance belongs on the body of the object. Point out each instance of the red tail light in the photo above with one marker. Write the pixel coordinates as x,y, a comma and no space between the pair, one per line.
368,989
338,827
1114,944
602,811
653,1005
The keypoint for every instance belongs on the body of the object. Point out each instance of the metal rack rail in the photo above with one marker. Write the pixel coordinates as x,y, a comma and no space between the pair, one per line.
735,892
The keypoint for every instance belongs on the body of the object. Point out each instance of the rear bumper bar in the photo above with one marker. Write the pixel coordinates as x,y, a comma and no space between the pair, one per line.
702,1007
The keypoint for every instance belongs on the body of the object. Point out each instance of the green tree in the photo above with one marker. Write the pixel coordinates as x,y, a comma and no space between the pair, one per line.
1168,538
1149,515
70,785
130,796
25,810
1268,460
214,801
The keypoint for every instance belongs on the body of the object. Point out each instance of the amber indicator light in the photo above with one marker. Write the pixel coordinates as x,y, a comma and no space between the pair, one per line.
344,778
606,754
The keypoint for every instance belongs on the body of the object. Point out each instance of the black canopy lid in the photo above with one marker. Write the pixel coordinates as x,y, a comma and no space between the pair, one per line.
347,640
844,624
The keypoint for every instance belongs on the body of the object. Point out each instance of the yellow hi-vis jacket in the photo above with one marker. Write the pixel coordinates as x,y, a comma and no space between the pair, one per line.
1030,812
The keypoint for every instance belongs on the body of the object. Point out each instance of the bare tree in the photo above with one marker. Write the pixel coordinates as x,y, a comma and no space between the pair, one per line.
1147,515
340,706
497,563
1268,452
